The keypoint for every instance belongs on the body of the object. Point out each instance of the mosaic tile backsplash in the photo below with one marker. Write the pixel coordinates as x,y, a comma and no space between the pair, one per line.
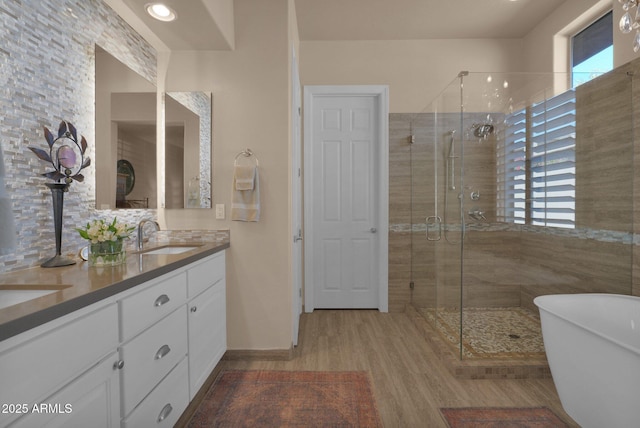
47,74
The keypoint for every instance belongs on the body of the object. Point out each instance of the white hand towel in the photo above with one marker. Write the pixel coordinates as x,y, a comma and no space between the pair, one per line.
245,176
7,231
245,204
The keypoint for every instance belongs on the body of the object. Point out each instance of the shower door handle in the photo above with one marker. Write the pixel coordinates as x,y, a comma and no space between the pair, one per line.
434,221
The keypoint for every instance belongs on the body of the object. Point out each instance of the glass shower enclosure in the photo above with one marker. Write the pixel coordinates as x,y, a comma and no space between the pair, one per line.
521,186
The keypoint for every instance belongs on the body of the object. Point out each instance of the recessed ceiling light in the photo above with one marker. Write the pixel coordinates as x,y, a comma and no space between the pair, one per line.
161,12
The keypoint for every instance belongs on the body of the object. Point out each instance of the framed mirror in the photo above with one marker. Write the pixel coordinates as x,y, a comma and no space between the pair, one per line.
188,149
125,136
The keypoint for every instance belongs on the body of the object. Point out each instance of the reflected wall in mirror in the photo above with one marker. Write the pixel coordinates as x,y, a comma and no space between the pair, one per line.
125,136
188,150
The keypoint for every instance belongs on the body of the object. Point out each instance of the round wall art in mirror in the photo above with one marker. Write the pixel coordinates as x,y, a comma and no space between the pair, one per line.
126,177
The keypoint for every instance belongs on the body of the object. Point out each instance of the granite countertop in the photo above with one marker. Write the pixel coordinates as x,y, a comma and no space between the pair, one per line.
79,285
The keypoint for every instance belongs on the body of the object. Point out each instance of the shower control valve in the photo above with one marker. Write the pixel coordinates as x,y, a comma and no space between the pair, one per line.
475,195
477,215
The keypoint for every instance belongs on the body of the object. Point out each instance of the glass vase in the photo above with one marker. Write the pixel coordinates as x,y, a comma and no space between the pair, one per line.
107,253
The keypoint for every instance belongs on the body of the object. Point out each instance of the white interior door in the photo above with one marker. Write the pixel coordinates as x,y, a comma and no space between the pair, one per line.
296,198
345,200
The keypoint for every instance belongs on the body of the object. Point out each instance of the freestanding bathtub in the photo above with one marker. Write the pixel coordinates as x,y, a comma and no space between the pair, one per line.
592,343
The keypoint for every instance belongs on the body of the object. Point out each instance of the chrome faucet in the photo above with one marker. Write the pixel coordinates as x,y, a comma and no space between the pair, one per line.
141,231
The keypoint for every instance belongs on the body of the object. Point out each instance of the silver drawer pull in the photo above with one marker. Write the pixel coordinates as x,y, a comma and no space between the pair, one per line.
162,352
164,412
118,365
162,300
194,308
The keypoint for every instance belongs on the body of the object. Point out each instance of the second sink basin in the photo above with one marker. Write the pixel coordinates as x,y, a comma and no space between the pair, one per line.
171,249
14,294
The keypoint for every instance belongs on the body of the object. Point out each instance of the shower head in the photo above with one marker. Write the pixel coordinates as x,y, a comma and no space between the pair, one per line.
482,130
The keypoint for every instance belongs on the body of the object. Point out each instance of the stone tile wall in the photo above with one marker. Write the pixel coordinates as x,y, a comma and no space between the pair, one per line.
47,75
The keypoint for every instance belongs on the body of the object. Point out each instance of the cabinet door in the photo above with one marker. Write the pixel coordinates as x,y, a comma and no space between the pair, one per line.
92,400
46,361
207,334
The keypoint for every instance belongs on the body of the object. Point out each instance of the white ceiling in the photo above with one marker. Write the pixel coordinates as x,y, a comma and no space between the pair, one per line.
195,29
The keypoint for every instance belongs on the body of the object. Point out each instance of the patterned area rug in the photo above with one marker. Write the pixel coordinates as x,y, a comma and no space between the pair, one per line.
501,417
491,332
263,398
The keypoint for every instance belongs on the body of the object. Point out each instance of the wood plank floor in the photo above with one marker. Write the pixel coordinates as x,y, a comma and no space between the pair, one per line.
409,382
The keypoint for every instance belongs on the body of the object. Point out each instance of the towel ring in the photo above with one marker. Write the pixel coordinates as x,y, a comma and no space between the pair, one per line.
246,153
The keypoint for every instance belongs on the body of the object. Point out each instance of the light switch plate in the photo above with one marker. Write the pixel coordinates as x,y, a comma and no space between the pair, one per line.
219,211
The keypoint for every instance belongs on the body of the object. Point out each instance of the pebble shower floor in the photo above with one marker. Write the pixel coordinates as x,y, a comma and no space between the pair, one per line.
511,332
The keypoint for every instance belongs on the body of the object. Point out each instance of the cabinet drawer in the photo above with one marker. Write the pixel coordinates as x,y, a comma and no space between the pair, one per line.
165,404
151,355
32,370
206,273
144,308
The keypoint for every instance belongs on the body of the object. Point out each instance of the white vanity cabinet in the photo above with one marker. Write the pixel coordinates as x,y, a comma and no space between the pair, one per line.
173,334
134,359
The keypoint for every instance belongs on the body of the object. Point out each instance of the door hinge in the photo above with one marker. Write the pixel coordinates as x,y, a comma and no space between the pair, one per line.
412,285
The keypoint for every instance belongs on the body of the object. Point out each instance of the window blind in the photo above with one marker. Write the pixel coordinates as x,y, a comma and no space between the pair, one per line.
536,165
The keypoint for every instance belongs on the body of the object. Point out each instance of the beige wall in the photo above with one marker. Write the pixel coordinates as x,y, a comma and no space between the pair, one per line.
547,45
415,70
251,110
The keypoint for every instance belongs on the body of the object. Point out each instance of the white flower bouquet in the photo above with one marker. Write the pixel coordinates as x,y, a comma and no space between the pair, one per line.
106,241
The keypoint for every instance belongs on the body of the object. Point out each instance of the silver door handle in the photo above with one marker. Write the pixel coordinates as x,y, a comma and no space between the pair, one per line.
164,412
162,300
162,352
373,230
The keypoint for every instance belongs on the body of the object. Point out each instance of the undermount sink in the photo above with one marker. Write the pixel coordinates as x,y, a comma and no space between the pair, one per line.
14,294
171,249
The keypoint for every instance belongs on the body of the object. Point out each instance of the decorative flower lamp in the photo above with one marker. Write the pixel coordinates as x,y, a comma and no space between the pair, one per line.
66,155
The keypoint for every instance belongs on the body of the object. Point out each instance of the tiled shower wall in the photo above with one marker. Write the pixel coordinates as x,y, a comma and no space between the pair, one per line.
508,265
47,74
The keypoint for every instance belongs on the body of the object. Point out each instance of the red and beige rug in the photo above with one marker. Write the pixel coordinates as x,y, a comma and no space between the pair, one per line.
502,417
263,398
